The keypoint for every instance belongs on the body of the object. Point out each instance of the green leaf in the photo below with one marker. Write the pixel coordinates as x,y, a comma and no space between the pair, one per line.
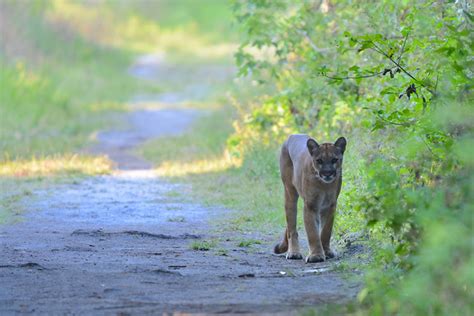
365,45
354,68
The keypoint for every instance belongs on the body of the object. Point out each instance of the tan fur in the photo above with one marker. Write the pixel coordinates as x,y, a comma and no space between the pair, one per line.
306,168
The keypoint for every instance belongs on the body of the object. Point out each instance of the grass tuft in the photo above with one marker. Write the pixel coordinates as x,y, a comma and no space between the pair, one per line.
203,245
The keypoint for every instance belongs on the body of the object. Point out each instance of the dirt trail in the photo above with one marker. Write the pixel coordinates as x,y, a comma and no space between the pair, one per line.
121,243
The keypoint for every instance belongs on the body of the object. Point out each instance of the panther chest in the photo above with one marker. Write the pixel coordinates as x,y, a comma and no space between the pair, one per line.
320,200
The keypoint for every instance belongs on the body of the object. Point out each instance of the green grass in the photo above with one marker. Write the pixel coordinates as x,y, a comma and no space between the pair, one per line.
210,18
40,119
184,30
203,245
248,243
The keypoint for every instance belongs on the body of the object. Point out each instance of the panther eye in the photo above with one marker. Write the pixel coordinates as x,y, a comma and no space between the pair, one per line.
334,160
320,161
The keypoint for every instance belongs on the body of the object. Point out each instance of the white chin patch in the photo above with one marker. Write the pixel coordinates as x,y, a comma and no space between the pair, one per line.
327,180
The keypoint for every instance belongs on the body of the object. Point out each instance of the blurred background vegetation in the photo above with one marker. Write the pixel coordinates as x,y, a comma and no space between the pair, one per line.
55,51
64,77
393,77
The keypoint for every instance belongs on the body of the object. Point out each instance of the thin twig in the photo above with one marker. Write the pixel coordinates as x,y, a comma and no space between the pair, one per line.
375,74
403,48
394,123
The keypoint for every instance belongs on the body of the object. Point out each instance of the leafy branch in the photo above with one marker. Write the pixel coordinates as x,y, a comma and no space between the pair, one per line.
397,63
371,44
404,124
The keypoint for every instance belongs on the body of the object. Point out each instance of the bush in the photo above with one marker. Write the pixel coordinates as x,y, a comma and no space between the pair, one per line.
396,79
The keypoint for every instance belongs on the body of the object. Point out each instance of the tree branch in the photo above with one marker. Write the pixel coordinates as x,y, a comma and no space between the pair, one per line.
380,51
393,123
403,47
375,74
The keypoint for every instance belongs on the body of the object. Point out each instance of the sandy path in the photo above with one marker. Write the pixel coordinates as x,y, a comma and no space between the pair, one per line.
121,244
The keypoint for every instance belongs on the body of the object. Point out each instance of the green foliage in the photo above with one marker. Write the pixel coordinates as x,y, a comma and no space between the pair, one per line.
395,77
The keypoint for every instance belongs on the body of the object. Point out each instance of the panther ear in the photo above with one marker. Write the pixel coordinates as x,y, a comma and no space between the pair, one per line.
312,145
341,144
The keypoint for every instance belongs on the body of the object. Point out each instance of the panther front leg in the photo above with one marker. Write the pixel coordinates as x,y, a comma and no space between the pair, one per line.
328,221
316,251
